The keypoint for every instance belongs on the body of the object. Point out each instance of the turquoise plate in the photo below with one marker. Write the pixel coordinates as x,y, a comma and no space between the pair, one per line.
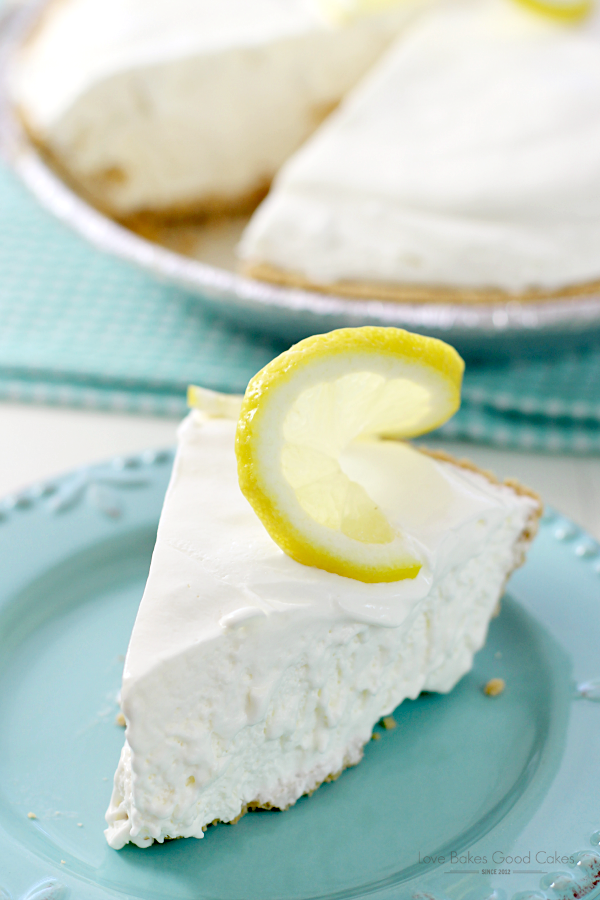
470,797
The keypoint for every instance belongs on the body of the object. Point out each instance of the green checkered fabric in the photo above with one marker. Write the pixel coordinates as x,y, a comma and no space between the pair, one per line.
79,328
543,405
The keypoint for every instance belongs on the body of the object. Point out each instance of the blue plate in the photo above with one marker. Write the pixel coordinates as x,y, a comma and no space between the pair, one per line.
469,798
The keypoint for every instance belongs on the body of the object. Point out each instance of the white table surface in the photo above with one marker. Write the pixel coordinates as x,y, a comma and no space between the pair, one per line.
39,442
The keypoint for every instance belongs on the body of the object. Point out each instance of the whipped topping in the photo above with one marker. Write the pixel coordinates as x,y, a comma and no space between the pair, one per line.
155,104
468,158
446,513
250,677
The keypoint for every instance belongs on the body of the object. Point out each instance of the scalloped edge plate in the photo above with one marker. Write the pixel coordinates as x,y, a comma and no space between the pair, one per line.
552,811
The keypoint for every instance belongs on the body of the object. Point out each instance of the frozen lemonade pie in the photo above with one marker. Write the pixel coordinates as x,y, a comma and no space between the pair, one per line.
172,107
460,166
311,571
463,167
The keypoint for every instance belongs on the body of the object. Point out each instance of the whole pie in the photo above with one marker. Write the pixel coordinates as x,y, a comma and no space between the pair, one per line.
460,163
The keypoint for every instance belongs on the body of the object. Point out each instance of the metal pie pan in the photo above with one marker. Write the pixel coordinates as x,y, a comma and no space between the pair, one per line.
480,332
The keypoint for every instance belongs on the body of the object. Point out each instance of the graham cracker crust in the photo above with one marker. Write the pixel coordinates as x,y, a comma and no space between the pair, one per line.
413,293
256,805
148,223
532,524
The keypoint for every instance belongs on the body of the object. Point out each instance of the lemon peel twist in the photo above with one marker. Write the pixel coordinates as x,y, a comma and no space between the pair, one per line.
559,10
305,408
565,11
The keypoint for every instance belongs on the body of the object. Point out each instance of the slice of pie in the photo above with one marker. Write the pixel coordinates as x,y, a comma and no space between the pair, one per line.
251,678
173,107
464,168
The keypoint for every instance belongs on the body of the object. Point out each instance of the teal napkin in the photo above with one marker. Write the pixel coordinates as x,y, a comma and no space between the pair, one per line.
80,328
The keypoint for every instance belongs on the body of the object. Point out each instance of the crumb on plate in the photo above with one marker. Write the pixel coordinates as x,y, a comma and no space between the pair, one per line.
494,687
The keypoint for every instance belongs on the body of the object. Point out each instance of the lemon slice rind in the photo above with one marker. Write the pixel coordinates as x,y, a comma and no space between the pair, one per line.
559,11
298,413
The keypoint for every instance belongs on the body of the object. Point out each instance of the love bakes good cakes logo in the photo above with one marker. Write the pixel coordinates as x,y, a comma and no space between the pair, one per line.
500,863
560,876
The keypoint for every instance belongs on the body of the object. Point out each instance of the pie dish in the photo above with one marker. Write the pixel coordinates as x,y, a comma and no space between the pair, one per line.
460,165
199,258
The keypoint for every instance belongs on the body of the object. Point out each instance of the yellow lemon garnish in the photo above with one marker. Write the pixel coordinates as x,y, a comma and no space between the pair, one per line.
213,403
560,10
345,11
302,413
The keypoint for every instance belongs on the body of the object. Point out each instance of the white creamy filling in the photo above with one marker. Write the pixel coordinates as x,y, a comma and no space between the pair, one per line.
468,158
250,677
172,102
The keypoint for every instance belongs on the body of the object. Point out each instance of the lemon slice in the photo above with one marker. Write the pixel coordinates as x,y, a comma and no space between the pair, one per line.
560,10
309,405
213,403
